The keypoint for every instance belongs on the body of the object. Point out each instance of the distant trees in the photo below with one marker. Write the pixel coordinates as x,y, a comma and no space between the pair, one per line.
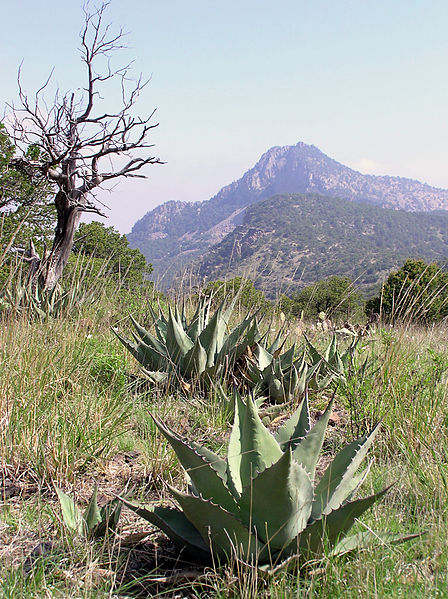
248,296
107,251
335,296
417,291
70,147
18,188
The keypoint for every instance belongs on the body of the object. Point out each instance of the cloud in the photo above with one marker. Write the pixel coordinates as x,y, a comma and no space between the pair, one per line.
366,165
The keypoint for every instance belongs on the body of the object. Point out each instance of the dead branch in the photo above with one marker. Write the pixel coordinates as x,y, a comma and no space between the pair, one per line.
74,137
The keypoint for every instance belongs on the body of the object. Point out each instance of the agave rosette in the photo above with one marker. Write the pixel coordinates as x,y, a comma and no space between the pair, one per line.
261,503
284,376
202,349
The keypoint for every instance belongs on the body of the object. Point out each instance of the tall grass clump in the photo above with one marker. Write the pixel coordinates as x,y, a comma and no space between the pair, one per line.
55,418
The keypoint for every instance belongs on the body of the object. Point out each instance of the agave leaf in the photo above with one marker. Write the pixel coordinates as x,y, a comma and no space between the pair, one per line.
331,351
277,503
277,344
145,336
183,318
276,390
338,365
264,358
205,469
313,353
175,524
71,514
218,463
222,531
227,313
286,360
335,484
296,427
197,322
156,376
259,447
307,451
303,374
178,343
150,356
212,336
290,382
177,316
348,354
150,341
195,360
110,515
254,334
230,342
143,353
160,324
131,346
252,448
329,528
356,482
234,450
92,514
368,539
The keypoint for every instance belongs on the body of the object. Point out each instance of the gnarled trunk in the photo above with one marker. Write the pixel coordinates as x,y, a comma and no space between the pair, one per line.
53,262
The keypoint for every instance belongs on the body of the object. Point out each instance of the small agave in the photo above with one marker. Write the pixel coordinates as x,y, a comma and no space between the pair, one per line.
282,377
95,521
332,364
260,502
279,377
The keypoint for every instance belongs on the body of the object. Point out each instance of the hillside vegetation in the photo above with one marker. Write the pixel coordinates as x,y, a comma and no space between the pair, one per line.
292,240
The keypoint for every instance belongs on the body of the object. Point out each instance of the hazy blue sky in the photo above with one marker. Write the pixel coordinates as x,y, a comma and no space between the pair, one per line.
366,82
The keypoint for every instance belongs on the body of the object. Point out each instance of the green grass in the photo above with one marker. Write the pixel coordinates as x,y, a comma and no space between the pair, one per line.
70,415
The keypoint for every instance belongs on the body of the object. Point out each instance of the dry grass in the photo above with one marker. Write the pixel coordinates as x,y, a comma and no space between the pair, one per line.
68,416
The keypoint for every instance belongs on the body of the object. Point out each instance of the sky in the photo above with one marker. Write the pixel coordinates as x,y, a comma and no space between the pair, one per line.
366,82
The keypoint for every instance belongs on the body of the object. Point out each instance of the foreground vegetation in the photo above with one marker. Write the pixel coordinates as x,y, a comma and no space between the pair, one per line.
75,413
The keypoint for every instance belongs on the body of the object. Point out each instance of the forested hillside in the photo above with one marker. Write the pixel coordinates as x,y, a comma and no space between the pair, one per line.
291,240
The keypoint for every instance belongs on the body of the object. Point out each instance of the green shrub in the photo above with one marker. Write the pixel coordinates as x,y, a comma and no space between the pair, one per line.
336,297
249,297
415,292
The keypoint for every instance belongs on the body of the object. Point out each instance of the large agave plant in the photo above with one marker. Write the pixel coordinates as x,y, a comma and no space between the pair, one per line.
261,503
181,351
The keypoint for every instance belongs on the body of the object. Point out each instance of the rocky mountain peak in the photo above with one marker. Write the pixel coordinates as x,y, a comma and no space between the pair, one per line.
178,232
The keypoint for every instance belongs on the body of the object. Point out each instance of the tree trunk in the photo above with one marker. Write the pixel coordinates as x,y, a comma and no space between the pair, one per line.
53,263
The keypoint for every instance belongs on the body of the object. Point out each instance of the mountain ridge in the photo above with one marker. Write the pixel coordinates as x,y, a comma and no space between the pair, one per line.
176,233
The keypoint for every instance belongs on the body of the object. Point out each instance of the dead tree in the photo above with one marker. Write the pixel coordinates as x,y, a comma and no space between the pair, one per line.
76,139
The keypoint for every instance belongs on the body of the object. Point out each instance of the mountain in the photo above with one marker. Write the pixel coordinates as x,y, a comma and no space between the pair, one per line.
292,240
175,234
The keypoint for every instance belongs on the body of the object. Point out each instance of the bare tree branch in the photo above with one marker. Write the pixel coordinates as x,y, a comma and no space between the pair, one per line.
73,140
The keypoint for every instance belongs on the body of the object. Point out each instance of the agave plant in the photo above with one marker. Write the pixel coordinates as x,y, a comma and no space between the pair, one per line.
261,503
182,351
330,365
95,521
22,297
279,377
